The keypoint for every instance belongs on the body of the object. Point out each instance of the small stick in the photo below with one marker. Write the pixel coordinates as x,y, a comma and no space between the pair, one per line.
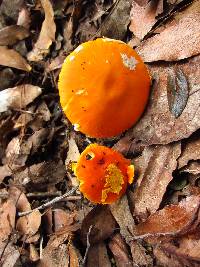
88,245
50,203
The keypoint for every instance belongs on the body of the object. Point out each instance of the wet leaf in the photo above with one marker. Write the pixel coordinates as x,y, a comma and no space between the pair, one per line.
47,34
178,93
180,38
11,34
11,58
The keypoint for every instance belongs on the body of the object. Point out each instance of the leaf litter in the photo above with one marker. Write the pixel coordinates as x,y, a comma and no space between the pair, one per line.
157,222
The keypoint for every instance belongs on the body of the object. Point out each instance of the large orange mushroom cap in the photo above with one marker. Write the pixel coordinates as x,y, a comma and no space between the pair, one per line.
104,87
103,174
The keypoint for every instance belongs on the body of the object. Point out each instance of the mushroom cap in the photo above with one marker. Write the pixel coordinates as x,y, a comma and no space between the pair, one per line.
103,174
103,87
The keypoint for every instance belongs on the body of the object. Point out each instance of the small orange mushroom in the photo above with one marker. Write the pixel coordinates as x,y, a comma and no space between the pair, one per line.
103,174
103,87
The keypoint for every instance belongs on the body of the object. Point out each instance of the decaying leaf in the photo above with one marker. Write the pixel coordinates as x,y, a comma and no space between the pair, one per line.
154,168
142,18
11,34
9,254
120,251
18,97
124,218
7,222
158,125
102,222
191,151
171,220
55,254
47,34
98,256
180,39
114,27
11,58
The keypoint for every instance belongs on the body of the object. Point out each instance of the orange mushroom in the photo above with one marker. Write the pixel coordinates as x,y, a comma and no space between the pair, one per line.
103,174
103,87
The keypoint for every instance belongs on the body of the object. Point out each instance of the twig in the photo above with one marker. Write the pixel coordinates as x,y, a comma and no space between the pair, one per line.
41,244
50,203
88,245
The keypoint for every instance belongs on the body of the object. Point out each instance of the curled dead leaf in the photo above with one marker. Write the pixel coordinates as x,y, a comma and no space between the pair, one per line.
11,58
47,34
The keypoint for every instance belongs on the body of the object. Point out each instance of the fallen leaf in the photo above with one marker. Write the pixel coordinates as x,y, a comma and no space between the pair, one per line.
19,198
142,18
24,19
171,220
158,125
121,212
7,222
47,34
11,8
120,251
9,254
74,256
114,27
18,97
11,34
28,225
34,256
4,171
11,58
191,151
154,168
98,256
7,78
55,254
102,222
180,39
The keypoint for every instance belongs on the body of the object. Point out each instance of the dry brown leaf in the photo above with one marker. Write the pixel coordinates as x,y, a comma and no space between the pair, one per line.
62,219
142,18
11,58
7,221
98,256
55,254
155,168
172,219
191,151
74,256
102,222
34,256
120,251
158,125
11,8
24,18
180,39
9,255
11,34
47,34
19,198
28,225
4,171
18,97
124,218
115,25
